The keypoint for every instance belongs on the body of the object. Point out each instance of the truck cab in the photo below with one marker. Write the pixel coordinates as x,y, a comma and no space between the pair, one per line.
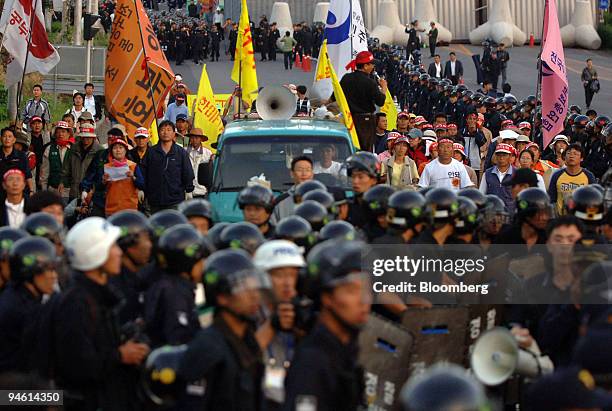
249,148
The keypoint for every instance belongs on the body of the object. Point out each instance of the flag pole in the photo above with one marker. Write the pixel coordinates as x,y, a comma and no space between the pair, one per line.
147,72
539,84
25,64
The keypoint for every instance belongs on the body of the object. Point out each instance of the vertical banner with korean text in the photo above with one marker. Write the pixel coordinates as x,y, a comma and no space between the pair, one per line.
130,88
555,90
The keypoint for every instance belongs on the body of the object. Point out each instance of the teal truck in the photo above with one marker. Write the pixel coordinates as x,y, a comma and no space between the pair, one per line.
249,148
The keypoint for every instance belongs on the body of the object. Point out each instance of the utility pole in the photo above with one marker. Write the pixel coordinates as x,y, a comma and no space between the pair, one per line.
88,48
78,25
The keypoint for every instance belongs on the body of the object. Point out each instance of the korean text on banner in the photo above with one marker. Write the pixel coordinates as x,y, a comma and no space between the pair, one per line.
555,90
206,115
244,71
130,88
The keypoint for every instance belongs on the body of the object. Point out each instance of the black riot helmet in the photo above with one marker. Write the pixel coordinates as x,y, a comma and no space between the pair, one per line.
197,207
242,235
160,382
511,100
297,230
405,210
314,213
443,387
256,195
43,225
363,161
214,234
531,100
531,201
8,237
305,187
30,257
229,272
571,118
325,199
424,77
494,214
165,219
475,195
338,230
442,205
575,109
467,222
490,103
601,122
581,121
587,204
132,223
180,248
375,200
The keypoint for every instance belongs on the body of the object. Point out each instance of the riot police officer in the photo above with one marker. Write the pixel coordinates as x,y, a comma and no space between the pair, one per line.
375,202
313,212
242,235
587,204
163,220
257,203
533,212
405,217
364,170
297,230
199,212
442,210
170,312
8,237
223,364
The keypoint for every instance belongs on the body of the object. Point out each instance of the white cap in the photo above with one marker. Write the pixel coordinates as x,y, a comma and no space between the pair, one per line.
560,137
278,253
430,135
178,77
508,134
523,138
88,243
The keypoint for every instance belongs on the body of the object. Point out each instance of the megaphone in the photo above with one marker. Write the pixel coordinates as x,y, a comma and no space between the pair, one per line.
497,356
276,103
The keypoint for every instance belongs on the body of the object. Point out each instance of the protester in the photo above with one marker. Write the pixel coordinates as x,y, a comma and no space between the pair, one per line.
36,107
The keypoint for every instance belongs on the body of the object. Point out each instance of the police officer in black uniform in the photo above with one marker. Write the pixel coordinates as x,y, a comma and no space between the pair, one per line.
324,374
364,170
297,230
223,365
199,212
170,312
257,203
8,237
242,235
442,210
405,217
375,202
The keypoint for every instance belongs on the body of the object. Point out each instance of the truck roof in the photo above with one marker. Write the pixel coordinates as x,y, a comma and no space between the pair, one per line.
296,127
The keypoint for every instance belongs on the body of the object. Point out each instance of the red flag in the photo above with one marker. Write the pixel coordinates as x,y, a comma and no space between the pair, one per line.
554,86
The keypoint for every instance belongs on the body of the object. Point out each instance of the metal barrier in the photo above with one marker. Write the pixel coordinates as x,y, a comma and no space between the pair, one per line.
70,74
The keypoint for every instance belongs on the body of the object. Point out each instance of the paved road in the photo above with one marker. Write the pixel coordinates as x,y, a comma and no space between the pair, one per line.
522,73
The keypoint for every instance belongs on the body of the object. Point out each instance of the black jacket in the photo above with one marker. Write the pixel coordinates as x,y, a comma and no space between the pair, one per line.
432,70
362,92
229,369
458,69
86,345
168,176
4,221
324,370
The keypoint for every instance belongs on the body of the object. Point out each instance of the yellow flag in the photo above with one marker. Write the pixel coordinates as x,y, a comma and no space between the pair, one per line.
244,72
206,115
390,110
153,135
326,70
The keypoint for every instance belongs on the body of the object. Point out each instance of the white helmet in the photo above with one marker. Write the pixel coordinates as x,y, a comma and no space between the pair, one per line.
278,253
88,243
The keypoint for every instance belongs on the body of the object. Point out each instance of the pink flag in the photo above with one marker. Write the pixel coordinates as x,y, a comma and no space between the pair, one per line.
555,91
43,56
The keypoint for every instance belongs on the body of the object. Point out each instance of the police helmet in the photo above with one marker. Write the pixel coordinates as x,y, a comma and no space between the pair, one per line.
442,205
43,225
433,81
424,77
510,100
375,200
314,213
242,235
305,187
159,381
587,204
325,199
363,161
214,234
475,195
494,213
196,207
180,248
405,209
31,256
571,118
575,109
165,219
256,195
531,100
581,121
131,223
607,131
490,102
229,272
8,237
443,387
467,222
531,201
602,122
296,229
338,230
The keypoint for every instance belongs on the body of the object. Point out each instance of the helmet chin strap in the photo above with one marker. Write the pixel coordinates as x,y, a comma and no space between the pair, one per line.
249,320
352,329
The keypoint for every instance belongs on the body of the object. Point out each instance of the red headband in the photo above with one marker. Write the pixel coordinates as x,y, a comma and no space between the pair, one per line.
11,172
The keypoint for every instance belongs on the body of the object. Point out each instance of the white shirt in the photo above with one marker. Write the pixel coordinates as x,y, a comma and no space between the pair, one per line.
452,175
500,175
335,168
90,105
452,65
197,157
438,69
15,213
217,18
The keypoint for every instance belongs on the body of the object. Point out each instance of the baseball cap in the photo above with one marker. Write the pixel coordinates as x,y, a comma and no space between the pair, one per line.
419,120
458,147
451,126
87,131
117,140
63,124
445,140
141,132
86,116
567,388
180,96
504,148
524,124
523,176
523,138
181,116
403,114
415,133
429,135
508,135
440,127
36,118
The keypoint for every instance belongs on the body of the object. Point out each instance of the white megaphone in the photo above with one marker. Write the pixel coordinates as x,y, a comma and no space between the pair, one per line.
497,356
276,103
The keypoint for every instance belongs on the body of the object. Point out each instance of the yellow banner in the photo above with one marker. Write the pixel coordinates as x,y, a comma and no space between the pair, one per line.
244,72
390,110
206,115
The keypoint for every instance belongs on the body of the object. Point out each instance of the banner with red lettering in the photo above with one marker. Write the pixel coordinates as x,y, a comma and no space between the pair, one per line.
554,86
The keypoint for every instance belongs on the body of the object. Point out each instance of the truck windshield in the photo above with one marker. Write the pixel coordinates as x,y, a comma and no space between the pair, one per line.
242,158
